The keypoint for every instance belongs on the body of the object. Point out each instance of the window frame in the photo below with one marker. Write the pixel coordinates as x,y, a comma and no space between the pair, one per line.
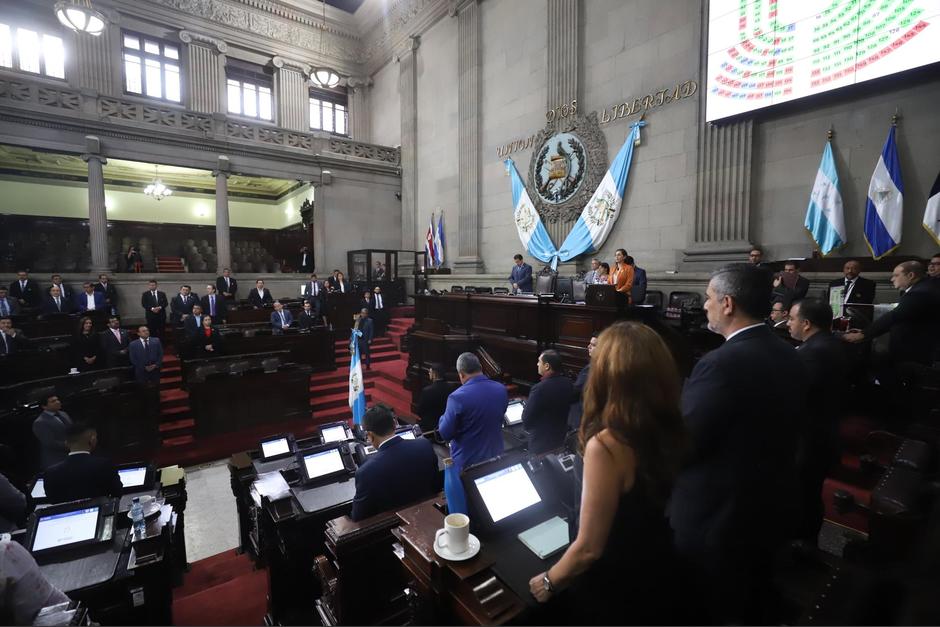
144,56
334,98
41,32
257,79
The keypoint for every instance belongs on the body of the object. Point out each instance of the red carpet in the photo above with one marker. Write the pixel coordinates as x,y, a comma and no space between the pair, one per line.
222,590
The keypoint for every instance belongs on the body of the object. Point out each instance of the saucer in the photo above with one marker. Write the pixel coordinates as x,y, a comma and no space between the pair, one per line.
473,547
150,509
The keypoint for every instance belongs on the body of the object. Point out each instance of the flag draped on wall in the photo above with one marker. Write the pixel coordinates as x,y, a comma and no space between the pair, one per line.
885,202
932,212
529,225
439,241
357,388
429,243
825,219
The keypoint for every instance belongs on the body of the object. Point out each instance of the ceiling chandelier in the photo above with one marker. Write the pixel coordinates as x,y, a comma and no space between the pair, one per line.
157,190
322,76
79,16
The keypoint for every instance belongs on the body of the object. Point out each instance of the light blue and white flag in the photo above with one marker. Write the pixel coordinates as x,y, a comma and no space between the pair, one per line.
825,218
357,388
529,225
600,213
885,202
439,242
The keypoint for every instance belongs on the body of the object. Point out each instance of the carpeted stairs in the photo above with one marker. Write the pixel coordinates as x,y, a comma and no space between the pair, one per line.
224,589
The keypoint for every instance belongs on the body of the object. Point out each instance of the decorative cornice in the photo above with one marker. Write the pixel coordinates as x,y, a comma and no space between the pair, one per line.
188,37
388,34
290,64
356,83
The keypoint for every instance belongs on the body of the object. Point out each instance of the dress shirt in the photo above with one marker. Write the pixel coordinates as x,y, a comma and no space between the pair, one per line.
4,307
847,290
90,302
342,286
303,260
198,321
211,304
22,286
117,334
6,343
283,319
378,301
155,299
314,288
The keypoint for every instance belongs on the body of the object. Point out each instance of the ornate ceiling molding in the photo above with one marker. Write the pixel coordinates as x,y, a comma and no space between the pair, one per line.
188,36
389,34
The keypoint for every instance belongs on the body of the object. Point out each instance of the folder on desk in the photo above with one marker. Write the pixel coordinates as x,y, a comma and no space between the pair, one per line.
547,538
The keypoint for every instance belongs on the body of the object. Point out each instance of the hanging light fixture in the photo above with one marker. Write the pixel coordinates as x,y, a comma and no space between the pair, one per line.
322,76
157,190
79,16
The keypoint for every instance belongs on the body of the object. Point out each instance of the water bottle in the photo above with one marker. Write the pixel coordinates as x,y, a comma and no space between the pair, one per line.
137,516
453,489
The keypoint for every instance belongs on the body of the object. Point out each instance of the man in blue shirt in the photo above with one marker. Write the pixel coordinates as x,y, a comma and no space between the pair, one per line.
473,419
521,275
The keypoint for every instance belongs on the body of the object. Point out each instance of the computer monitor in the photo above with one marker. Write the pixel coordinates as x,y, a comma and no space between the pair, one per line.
134,477
65,529
406,433
324,462
335,432
507,492
39,489
277,446
513,414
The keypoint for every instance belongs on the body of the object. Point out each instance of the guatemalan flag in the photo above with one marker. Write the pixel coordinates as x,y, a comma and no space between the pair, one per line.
439,242
825,219
932,213
600,213
357,388
885,202
529,225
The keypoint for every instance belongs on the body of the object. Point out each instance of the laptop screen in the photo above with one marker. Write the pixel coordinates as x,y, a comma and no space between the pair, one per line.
507,492
325,463
39,490
514,413
68,528
272,448
334,434
407,434
133,477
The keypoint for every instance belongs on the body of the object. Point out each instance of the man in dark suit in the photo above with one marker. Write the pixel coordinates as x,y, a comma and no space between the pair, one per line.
379,311
332,281
259,295
181,307
732,506
826,369
109,292
915,333
520,278
933,269
304,260
576,408
638,291
399,473
154,303
433,399
25,290
115,343
11,340
855,290
8,306
50,428
193,324
89,299
545,416
82,475
309,317
55,303
365,340
792,287
314,292
226,285
214,305
779,317
64,290
146,355
338,283
756,256
281,318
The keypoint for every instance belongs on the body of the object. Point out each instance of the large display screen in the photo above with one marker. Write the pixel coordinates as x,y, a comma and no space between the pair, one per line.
507,492
64,529
320,464
764,52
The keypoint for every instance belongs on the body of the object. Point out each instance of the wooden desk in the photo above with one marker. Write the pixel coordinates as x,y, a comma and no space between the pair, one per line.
314,347
50,325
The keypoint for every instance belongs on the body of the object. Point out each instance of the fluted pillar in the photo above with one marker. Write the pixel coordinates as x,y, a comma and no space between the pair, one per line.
293,96
408,89
223,243
360,123
205,75
92,67
97,212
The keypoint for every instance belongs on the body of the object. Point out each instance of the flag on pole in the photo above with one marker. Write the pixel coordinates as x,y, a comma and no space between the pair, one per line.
357,388
825,219
885,205
439,242
932,213
429,242
532,233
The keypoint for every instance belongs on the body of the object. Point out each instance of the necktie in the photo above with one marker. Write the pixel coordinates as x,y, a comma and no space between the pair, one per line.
57,305
212,305
154,297
283,321
22,286
6,346
198,321
147,347
227,284
117,334
4,310
378,301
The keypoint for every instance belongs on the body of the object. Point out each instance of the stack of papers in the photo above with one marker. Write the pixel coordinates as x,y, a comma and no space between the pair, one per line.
270,485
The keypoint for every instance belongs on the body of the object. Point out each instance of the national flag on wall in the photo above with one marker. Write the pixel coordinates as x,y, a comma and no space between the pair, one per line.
357,388
884,209
532,233
932,213
439,242
429,243
825,219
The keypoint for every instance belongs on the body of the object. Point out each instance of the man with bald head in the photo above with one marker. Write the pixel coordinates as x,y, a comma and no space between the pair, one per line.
855,290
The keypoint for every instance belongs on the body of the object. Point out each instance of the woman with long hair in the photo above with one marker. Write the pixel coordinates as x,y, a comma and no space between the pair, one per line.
622,276
85,346
621,564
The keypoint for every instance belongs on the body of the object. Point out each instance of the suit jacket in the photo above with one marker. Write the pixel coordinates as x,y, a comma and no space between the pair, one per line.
50,430
115,350
473,420
82,301
13,307
259,300
861,293
48,306
277,323
221,307
399,473
432,402
13,344
624,280
332,283
743,405
638,291
192,325
109,292
590,277
368,332
147,301
200,341
305,322
82,476
305,265
915,333
140,358
521,276
546,413
337,286
180,308
576,409
65,290
308,291
12,506
221,288
827,367
31,294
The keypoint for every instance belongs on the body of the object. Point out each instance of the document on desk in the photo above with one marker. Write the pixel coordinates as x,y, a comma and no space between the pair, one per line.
547,538
271,485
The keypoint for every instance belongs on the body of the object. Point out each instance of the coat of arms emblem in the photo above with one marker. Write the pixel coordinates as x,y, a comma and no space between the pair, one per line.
355,382
603,209
525,218
560,167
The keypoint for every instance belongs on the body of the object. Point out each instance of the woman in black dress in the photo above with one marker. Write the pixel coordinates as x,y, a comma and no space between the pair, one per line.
621,567
85,347
208,340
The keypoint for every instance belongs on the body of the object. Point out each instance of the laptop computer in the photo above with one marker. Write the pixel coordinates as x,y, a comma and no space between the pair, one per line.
335,432
70,525
136,476
325,473
277,447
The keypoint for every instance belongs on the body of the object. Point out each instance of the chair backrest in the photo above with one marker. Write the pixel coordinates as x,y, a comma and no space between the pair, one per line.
577,291
239,367
457,289
500,290
469,288
271,364
484,290
39,395
201,372
685,300
106,383
655,298
545,283
564,285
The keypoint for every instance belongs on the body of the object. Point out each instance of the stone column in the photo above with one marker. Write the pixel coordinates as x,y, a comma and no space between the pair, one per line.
92,67
469,45
223,242
97,212
292,95
408,89
360,124
205,73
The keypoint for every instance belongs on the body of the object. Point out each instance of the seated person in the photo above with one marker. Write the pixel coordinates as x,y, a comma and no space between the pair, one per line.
193,324
399,473
309,317
281,318
789,284
56,303
433,399
545,416
259,296
208,340
23,588
82,475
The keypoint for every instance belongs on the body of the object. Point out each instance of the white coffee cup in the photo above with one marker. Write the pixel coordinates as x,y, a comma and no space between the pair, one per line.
456,534
74,371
